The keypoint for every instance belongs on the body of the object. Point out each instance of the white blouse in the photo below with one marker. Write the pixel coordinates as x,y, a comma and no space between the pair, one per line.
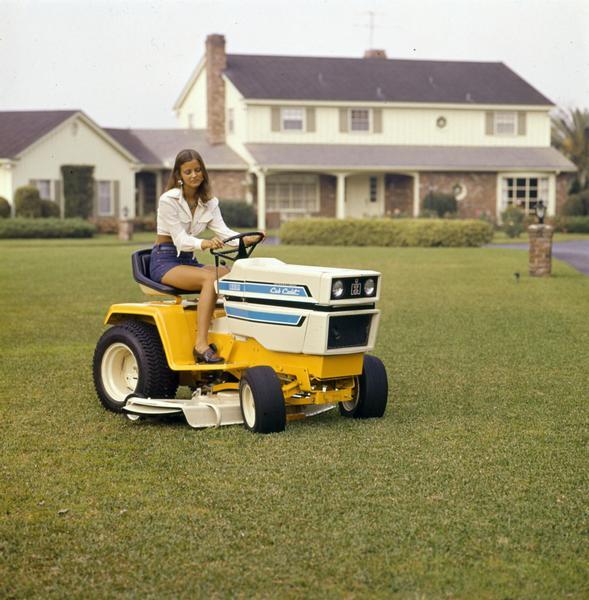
175,219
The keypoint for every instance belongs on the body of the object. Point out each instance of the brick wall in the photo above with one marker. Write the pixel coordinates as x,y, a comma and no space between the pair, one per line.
229,185
563,183
398,195
216,62
481,191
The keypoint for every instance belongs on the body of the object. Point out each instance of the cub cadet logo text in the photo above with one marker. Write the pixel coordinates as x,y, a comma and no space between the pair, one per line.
285,291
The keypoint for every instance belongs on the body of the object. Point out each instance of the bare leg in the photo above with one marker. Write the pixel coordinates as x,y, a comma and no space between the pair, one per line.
198,279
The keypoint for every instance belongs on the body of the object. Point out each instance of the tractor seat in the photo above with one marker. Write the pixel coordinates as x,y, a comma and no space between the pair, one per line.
140,262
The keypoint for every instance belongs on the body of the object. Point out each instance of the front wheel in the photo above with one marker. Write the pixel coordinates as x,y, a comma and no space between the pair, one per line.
129,359
262,401
370,392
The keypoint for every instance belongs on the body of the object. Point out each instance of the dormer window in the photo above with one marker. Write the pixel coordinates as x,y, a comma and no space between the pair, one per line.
359,119
292,119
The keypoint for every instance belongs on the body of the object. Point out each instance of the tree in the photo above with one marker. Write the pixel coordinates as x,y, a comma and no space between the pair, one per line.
570,134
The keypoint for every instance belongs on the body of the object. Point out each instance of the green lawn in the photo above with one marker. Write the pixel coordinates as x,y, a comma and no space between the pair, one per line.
501,238
475,484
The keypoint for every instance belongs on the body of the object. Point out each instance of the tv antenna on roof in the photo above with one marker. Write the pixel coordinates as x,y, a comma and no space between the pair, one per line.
371,26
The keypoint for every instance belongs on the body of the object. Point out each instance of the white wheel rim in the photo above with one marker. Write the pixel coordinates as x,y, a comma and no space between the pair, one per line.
350,405
119,372
248,405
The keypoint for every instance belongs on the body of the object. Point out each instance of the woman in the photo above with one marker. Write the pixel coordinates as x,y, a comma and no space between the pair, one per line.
187,208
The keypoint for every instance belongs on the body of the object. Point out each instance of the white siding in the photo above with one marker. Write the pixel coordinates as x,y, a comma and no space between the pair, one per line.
234,100
195,104
6,182
81,145
411,126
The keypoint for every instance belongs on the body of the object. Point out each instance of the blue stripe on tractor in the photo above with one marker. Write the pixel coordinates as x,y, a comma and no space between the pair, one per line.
258,316
283,291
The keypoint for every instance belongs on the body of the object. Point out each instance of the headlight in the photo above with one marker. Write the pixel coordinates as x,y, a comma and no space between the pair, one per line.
369,287
337,289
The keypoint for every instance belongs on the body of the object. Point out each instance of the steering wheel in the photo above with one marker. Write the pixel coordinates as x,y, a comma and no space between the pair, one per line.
242,251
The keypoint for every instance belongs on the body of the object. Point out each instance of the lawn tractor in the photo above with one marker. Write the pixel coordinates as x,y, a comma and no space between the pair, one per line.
294,339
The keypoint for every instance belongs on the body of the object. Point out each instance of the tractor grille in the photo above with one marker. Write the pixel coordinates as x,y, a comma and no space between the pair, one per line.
348,330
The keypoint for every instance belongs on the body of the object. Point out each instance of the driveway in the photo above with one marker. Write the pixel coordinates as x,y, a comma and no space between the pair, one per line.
574,253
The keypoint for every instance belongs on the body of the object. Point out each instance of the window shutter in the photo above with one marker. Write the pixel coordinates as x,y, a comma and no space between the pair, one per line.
310,119
489,122
377,120
343,120
116,194
57,196
95,200
275,118
521,123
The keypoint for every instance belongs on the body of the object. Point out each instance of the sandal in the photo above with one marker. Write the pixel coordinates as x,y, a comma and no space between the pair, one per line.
209,356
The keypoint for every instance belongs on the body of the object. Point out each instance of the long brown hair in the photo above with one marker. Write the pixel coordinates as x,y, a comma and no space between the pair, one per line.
204,191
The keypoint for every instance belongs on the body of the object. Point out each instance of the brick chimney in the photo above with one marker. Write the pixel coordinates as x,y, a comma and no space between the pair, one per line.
375,54
216,62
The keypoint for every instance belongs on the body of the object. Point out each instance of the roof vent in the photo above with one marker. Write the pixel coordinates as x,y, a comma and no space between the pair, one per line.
375,54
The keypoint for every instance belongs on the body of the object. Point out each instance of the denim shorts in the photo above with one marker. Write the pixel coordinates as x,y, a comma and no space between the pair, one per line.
165,257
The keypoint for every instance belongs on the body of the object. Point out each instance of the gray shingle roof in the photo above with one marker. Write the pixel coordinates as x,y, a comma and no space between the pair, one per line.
159,147
21,128
435,158
379,80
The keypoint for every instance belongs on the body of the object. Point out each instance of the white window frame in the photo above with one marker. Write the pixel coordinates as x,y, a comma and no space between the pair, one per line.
39,183
102,185
522,182
351,120
284,116
502,119
373,188
277,204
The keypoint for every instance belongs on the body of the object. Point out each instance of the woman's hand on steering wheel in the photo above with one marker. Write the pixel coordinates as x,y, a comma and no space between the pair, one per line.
212,244
251,239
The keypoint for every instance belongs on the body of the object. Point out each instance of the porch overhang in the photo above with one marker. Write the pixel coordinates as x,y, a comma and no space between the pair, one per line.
352,157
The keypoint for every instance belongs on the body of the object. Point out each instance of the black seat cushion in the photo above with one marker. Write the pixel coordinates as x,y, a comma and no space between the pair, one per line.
140,262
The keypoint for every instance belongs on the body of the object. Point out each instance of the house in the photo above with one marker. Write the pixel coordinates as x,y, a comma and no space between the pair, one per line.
130,166
34,145
372,136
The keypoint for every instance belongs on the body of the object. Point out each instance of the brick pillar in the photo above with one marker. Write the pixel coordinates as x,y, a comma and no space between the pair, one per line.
216,63
540,264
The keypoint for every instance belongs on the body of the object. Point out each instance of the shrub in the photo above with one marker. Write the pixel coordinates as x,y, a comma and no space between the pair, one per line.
386,232
45,228
566,224
145,223
78,190
576,204
440,203
513,221
4,208
27,202
237,213
49,209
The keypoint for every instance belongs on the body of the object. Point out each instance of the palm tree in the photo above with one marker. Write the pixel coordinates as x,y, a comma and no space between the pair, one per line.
570,134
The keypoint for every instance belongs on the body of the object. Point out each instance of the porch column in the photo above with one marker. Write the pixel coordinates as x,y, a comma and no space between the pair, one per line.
261,200
159,186
415,194
340,196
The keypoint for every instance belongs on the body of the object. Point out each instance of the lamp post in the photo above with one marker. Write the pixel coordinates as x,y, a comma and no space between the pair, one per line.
125,226
540,262
540,211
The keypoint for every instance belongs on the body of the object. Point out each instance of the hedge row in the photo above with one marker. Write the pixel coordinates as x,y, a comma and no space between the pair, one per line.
386,232
45,228
570,224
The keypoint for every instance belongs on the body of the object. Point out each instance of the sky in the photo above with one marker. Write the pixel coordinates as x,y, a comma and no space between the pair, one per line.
125,62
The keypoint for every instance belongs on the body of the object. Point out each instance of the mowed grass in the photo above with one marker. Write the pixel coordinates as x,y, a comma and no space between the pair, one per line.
474,485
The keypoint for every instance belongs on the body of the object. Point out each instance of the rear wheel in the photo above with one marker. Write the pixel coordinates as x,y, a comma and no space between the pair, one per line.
129,359
370,392
262,401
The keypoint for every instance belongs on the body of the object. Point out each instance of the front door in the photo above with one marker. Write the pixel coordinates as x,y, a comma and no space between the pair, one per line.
364,196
